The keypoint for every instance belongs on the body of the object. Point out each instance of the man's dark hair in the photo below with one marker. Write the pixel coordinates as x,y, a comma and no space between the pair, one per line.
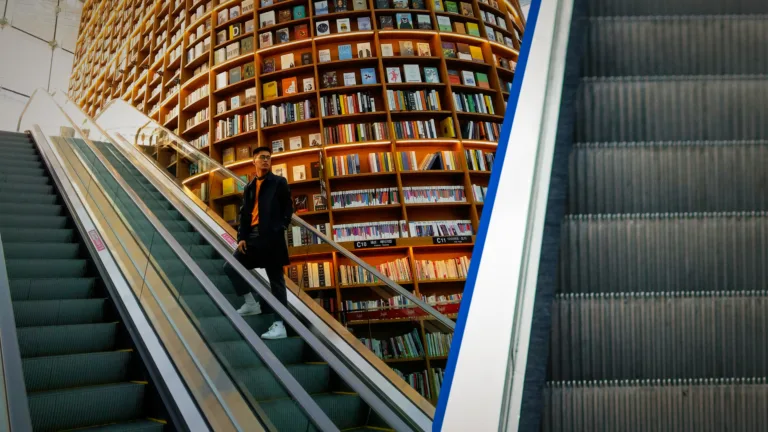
258,150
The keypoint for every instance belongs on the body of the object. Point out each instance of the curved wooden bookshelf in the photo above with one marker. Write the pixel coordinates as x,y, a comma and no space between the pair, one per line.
437,85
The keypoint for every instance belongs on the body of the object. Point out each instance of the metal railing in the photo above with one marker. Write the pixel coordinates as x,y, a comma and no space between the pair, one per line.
14,408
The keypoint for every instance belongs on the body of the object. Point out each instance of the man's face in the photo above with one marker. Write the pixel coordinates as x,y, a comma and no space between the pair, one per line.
262,161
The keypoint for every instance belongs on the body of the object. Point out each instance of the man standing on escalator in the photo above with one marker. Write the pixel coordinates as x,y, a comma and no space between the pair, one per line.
265,214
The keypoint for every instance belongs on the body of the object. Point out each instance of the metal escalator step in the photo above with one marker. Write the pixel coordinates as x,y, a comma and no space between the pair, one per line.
30,165
672,108
25,189
239,355
668,177
86,406
21,170
30,313
202,306
220,329
345,411
69,339
134,426
703,405
52,289
676,7
24,179
20,235
30,221
659,336
47,268
664,252
32,209
41,250
11,155
263,385
676,45
13,151
27,198
77,370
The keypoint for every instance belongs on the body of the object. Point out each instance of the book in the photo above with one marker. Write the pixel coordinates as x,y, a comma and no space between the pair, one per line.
458,27
286,61
482,80
449,50
386,22
283,35
321,7
290,86
250,96
235,102
466,9
393,75
322,28
295,143
278,146
473,29
234,75
309,84
359,5
267,19
350,79
246,45
315,140
249,71
364,50
265,40
329,80
412,73
382,4
404,21
325,55
280,170
301,31
406,48
284,16
299,173
269,90
247,6
423,22
342,25
306,58
443,23
431,75
268,66
299,12
477,53
364,23
368,75
345,52
468,78
227,157
424,50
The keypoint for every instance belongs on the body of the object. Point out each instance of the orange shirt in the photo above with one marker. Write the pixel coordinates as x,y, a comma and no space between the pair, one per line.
255,214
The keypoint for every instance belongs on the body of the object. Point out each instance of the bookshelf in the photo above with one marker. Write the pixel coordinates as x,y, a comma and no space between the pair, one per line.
383,115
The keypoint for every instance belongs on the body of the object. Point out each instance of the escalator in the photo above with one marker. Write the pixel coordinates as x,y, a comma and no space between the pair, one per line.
658,314
345,408
81,367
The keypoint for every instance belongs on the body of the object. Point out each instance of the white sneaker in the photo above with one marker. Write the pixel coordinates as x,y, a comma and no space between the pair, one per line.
276,331
250,309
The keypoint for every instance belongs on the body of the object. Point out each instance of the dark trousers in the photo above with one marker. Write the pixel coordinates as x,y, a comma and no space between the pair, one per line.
274,273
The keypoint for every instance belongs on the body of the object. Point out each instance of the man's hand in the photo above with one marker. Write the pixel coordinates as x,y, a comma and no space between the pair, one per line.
241,246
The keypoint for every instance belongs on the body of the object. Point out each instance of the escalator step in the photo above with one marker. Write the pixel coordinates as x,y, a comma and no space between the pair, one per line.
47,268
705,405
220,329
648,177
203,306
136,426
33,313
41,250
86,406
28,221
32,209
78,370
262,384
345,411
664,252
635,46
677,7
15,169
52,289
27,198
45,235
239,355
70,339
12,155
640,109
659,336
25,189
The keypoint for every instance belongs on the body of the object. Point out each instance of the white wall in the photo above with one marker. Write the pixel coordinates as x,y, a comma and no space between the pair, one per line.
28,60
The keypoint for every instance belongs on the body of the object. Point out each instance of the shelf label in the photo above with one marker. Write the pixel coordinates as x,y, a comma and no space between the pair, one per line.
452,239
362,244
229,239
96,240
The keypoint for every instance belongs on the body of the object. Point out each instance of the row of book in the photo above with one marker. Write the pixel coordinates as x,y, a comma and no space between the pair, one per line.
441,160
395,302
369,231
452,268
352,133
397,347
473,103
437,299
287,112
364,198
300,236
197,94
433,194
311,275
235,75
343,104
479,160
420,382
479,192
398,270
440,228
438,344
477,130
235,125
199,117
409,100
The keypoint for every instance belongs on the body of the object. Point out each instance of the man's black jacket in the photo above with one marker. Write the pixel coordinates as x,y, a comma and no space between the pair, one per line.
275,212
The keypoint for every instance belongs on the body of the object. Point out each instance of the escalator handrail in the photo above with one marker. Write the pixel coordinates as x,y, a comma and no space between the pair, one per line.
185,147
258,285
313,411
14,390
